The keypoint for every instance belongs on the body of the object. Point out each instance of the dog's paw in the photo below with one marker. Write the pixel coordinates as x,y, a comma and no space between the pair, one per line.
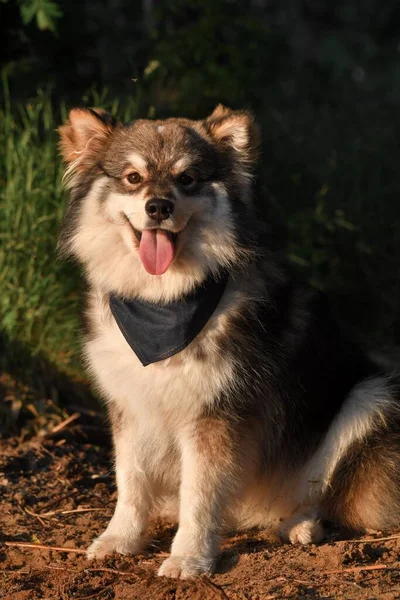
185,567
302,529
108,544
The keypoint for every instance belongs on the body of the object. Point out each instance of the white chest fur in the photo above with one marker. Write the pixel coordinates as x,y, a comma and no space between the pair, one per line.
178,388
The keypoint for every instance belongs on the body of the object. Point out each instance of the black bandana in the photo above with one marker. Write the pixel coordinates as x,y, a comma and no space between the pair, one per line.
157,331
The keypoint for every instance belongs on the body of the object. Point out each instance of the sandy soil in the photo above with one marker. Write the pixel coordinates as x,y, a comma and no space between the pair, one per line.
58,490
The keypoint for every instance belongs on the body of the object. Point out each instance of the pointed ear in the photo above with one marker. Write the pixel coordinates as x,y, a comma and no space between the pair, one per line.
83,135
235,129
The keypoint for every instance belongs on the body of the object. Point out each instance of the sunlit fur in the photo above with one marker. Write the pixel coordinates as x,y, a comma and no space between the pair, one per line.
270,417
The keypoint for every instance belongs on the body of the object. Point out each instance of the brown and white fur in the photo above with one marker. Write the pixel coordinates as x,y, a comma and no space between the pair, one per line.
269,417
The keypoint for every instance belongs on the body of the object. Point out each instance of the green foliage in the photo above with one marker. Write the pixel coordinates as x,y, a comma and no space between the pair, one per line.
40,294
45,12
38,304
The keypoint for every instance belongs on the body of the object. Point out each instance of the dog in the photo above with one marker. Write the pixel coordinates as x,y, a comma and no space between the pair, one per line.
235,398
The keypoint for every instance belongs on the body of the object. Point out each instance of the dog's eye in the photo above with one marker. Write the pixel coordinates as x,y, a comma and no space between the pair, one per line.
134,177
185,179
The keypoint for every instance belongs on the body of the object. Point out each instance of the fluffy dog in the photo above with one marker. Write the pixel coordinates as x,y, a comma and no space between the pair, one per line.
234,398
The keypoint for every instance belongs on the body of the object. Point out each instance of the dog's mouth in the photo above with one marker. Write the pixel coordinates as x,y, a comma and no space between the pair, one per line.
157,249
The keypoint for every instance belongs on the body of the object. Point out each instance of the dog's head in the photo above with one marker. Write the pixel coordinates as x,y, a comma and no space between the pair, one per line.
156,205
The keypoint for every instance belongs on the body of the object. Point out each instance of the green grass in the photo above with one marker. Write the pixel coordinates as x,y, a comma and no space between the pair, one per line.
40,295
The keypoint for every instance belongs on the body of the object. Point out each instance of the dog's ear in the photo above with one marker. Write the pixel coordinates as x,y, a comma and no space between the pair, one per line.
83,135
236,130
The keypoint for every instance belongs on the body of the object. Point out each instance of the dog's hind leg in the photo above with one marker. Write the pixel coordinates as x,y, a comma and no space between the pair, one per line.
304,527
353,478
365,490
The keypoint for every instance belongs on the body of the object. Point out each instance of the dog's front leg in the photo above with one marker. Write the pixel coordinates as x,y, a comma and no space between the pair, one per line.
209,476
126,532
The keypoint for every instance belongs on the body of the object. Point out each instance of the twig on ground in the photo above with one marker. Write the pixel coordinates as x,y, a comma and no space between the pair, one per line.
358,569
59,499
87,411
42,547
275,579
32,514
300,581
381,539
64,423
69,512
55,568
61,442
46,451
14,572
114,571
323,584
81,510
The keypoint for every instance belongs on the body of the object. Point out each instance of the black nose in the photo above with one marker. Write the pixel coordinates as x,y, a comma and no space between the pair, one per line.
159,209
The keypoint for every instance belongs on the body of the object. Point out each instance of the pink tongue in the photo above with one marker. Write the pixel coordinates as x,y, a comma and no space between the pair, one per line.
157,250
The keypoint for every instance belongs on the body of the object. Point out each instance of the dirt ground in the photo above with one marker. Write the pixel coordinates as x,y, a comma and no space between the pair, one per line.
58,490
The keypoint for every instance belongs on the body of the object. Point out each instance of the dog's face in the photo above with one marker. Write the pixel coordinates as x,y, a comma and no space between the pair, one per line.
155,205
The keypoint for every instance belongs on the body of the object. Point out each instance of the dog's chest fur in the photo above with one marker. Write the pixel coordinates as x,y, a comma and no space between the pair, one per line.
176,390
